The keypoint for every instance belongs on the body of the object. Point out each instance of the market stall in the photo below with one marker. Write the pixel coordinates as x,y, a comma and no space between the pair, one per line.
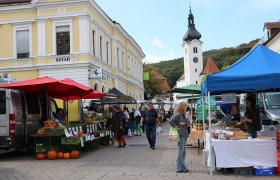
258,71
54,139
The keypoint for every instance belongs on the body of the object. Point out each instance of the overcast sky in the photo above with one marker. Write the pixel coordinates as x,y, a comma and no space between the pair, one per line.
158,26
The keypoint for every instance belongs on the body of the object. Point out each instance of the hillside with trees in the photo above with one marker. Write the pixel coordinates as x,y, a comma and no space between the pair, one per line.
173,69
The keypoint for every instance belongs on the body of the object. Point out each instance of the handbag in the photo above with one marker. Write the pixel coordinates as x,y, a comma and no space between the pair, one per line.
174,135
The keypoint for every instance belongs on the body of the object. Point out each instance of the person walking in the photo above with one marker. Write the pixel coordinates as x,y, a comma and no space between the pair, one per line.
181,123
150,117
137,117
118,126
132,121
141,110
127,122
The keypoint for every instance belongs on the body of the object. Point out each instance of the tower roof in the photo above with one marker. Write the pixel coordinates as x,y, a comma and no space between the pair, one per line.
210,67
192,33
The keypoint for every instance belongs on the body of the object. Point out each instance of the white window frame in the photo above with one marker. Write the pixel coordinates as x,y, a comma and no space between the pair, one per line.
101,46
108,56
123,60
95,46
22,28
129,62
57,23
118,57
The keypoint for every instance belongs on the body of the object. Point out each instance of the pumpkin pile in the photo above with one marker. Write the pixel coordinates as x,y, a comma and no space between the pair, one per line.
50,124
52,155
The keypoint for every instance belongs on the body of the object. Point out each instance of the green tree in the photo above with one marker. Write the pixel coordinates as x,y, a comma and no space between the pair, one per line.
151,86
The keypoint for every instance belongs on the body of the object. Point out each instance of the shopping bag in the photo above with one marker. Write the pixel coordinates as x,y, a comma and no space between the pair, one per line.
159,131
174,135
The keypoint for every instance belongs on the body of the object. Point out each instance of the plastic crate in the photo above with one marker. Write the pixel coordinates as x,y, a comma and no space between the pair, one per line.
264,171
70,140
246,171
54,132
41,149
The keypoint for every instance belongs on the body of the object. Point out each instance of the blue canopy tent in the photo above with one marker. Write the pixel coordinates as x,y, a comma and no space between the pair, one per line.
258,71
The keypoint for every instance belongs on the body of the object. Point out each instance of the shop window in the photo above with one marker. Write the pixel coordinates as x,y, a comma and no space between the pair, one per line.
196,82
96,87
107,51
103,89
195,70
101,47
93,42
62,40
23,41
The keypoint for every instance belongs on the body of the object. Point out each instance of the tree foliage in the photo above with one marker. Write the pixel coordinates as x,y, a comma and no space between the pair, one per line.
151,86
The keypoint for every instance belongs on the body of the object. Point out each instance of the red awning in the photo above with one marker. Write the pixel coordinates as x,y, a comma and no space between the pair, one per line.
37,86
92,95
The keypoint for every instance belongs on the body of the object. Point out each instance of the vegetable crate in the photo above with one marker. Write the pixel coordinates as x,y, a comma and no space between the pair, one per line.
41,149
246,171
264,171
54,132
70,140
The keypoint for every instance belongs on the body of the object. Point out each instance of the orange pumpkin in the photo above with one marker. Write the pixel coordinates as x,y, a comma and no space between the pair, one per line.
60,155
66,155
41,156
52,155
75,154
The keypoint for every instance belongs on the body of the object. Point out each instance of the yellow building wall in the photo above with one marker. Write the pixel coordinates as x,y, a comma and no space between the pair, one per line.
75,31
24,75
49,49
73,112
6,41
34,39
17,15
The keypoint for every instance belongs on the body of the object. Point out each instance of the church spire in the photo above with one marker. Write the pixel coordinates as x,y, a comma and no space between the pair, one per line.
192,33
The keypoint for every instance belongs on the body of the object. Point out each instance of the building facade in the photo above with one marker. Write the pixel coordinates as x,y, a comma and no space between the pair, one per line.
69,39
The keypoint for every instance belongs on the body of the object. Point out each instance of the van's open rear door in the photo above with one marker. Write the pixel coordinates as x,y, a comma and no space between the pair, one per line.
3,113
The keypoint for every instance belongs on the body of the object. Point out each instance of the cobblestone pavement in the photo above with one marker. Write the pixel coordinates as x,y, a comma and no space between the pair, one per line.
136,161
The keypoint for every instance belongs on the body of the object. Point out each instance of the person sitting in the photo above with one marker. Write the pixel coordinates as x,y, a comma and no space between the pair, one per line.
59,116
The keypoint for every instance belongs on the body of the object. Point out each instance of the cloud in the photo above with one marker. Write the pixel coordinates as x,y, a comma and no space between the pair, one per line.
154,58
158,43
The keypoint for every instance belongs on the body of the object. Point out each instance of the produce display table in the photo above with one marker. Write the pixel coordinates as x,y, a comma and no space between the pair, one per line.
244,153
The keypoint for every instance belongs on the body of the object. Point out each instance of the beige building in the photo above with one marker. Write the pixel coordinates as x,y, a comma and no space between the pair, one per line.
68,39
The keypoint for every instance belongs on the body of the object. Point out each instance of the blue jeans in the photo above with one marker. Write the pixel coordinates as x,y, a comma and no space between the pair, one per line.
151,135
181,155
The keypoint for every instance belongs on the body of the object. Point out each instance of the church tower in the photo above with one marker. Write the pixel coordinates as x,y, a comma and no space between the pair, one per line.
193,60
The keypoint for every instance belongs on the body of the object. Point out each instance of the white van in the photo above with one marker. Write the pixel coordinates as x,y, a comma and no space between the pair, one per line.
20,117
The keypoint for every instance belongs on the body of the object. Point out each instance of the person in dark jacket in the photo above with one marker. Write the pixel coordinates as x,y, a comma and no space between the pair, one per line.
181,123
252,117
151,119
118,126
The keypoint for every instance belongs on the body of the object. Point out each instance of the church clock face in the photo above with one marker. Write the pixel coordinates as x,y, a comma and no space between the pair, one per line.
195,60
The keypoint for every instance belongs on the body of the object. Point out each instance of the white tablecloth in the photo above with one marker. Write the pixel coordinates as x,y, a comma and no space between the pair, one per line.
244,153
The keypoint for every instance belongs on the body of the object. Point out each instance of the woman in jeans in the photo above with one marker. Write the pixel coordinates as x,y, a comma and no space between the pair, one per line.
181,123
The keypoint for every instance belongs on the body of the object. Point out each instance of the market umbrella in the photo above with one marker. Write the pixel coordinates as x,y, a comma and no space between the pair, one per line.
39,86
190,89
68,88
114,96
92,95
